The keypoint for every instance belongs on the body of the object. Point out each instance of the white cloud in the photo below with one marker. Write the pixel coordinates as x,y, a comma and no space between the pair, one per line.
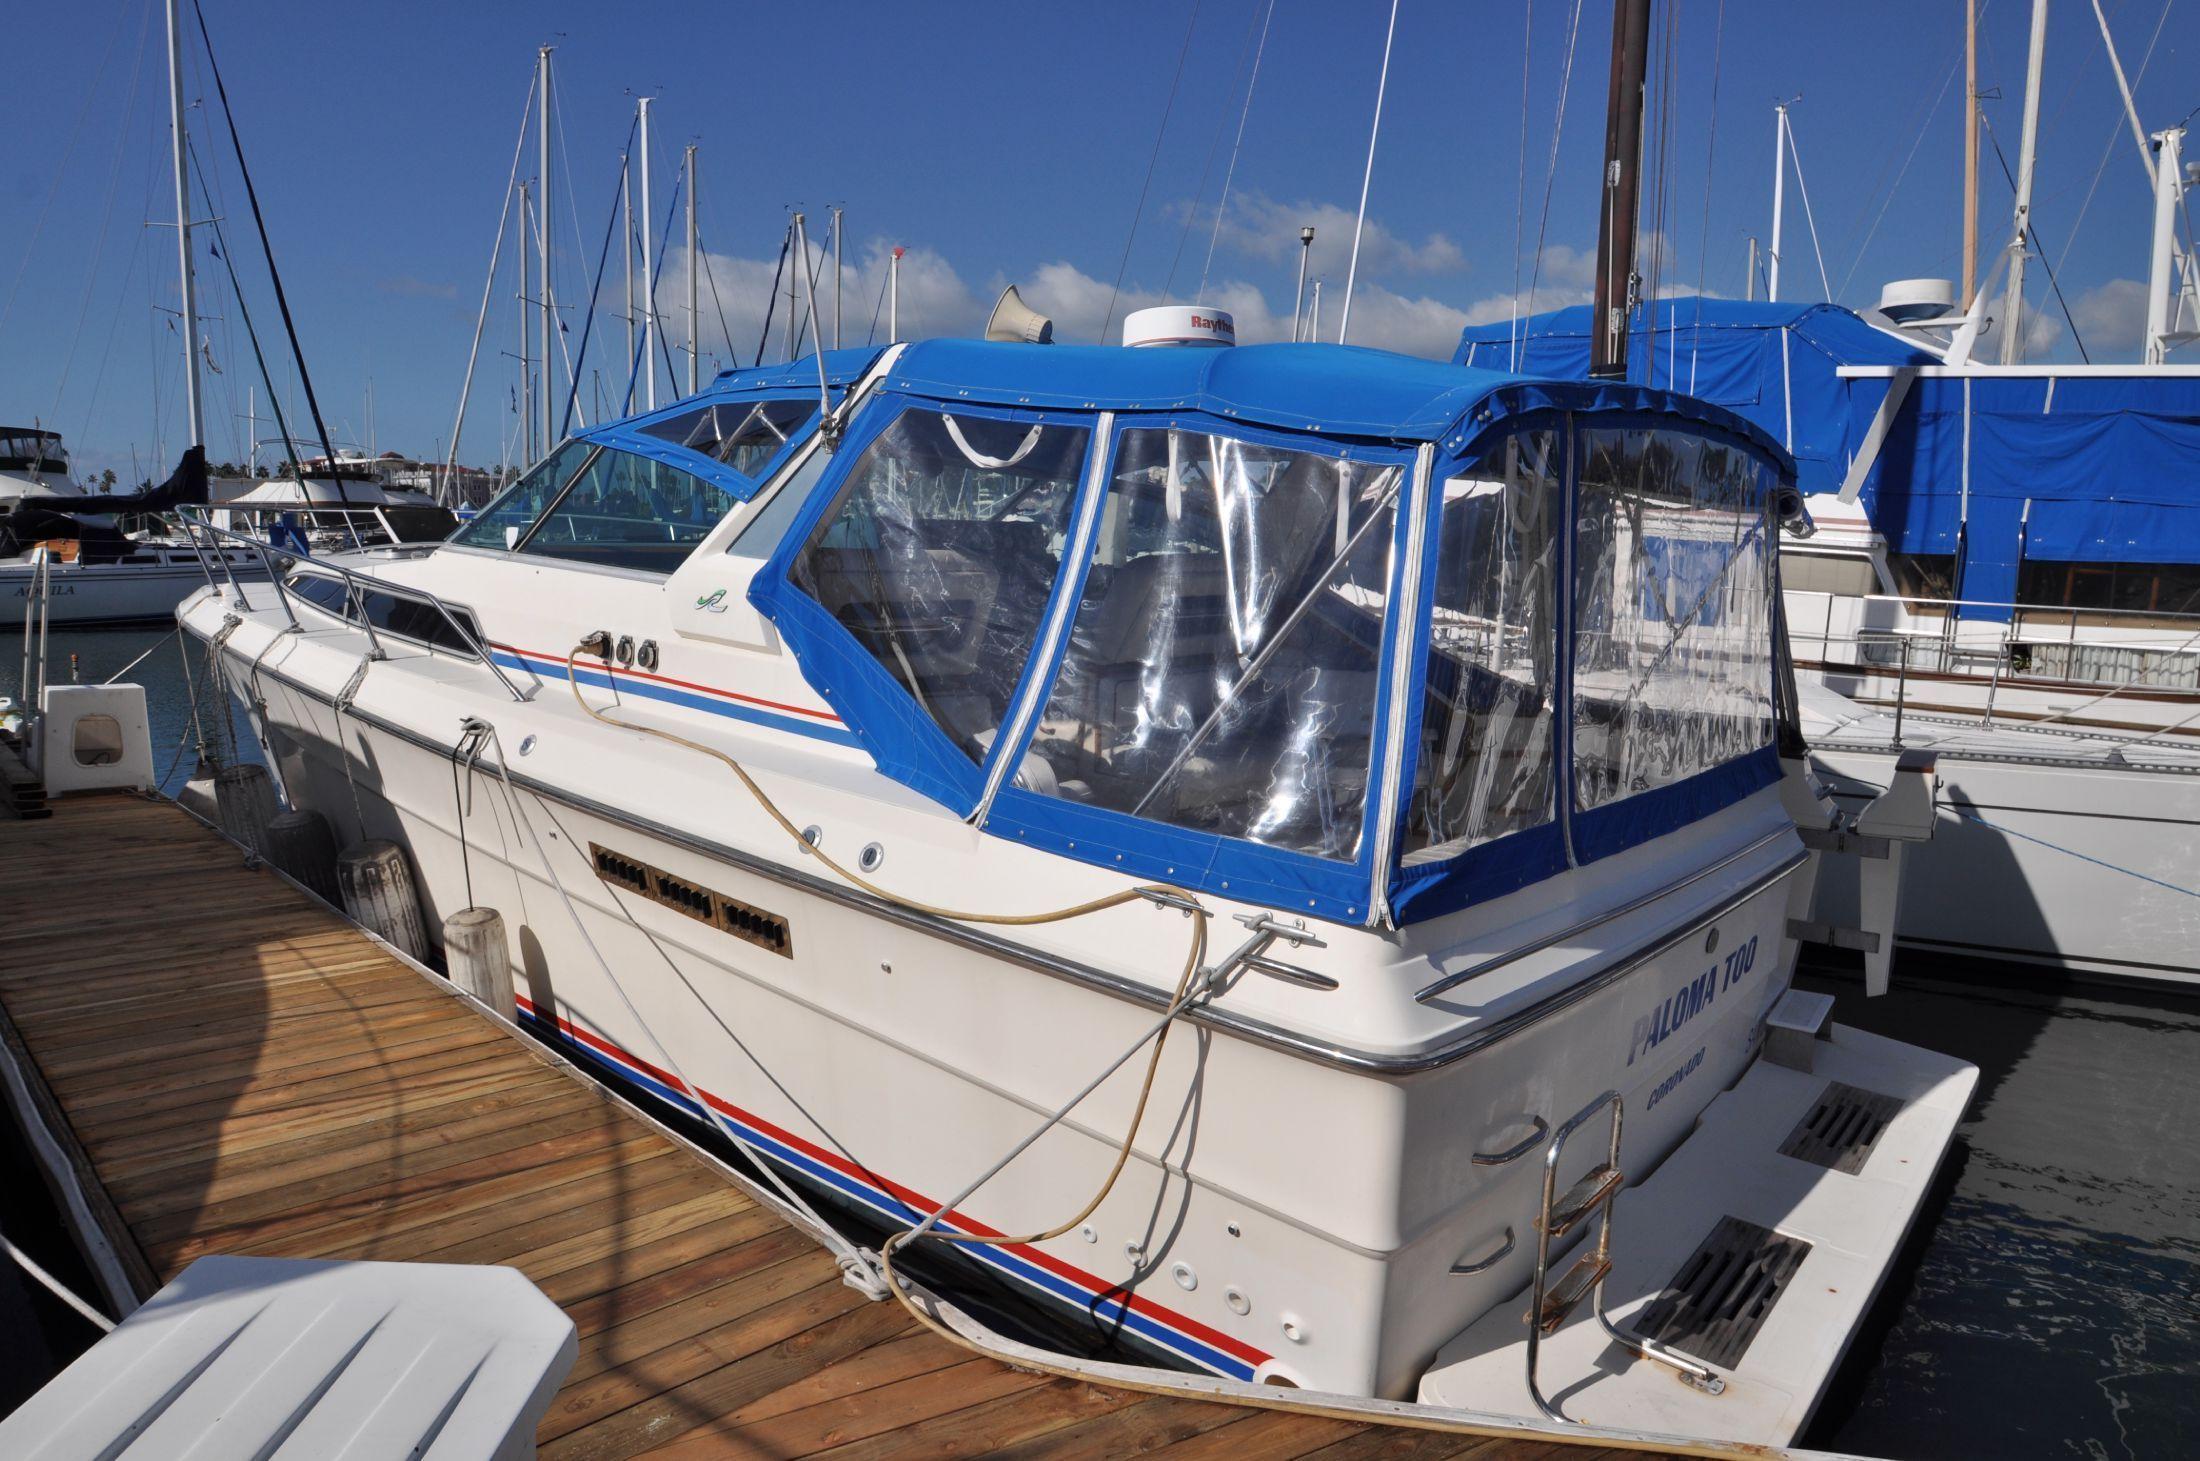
2112,318
1260,227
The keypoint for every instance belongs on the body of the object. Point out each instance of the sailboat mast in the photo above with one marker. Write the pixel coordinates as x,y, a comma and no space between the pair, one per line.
695,340
649,275
2012,310
836,278
1970,151
1615,281
194,420
542,244
626,247
1779,203
526,366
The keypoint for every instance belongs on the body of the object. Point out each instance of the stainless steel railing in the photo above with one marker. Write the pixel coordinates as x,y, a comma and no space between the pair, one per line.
278,562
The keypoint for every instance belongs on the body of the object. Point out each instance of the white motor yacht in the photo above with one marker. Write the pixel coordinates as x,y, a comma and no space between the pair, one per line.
872,753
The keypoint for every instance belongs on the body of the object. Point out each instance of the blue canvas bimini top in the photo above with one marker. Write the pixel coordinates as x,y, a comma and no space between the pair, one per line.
946,705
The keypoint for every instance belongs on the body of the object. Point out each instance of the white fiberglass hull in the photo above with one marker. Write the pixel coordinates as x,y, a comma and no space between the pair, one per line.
2082,866
80,595
1291,1215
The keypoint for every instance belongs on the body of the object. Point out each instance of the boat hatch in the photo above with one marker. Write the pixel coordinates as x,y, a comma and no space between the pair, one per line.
1153,611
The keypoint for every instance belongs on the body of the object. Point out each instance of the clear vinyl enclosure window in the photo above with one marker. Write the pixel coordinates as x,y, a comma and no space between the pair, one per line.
1486,762
506,520
1672,610
1222,666
940,554
744,435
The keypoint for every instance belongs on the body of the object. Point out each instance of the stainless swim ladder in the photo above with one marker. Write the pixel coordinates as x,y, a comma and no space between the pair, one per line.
1550,1305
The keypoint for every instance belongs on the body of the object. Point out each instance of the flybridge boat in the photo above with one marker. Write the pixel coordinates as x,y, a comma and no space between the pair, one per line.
65,557
1447,701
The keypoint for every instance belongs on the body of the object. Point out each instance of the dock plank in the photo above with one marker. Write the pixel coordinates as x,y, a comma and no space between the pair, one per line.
243,1071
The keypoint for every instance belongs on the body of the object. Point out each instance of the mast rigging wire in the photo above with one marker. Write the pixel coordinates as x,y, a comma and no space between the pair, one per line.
1520,186
1123,267
710,276
2039,250
236,290
1886,198
1550,172
1207,168
2114,132
1230,173
106,215
1367,179
267,249
1710,156
1808,217
771,300
588,325
481,316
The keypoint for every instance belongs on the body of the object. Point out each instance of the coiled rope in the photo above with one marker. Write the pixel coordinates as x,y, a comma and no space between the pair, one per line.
1188,988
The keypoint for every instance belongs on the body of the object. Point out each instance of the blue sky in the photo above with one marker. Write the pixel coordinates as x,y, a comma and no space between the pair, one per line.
999,143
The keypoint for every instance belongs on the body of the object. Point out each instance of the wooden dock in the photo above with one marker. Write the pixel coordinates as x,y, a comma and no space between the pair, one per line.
241,1070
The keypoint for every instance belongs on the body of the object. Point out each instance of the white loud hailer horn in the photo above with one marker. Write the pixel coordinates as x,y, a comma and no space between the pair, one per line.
1014,321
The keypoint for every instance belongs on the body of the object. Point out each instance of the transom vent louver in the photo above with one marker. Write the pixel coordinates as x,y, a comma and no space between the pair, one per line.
729,915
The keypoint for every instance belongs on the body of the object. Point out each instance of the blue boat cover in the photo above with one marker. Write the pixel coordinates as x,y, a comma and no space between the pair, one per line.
1999,469
1370,403
1335,390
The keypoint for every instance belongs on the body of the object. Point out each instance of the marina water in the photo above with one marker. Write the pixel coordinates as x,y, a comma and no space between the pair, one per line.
2050,1304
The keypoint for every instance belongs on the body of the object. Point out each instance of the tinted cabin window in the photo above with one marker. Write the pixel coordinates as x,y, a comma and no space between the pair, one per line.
1222,667
1923,575
625,511
940,554
2146,588
1486,755
506,520
420,524
388,613
744,435
1672,610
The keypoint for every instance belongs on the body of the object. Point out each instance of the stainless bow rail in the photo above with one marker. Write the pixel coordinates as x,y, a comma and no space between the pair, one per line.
278,562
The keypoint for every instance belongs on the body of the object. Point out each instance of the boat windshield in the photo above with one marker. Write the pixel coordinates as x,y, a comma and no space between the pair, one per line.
587,503
940,553
31,451
743,435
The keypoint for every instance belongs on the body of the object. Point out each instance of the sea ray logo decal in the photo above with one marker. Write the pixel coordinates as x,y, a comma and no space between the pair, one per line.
713,602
